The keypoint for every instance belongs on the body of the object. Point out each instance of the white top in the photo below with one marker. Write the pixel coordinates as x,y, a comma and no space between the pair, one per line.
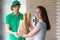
41,34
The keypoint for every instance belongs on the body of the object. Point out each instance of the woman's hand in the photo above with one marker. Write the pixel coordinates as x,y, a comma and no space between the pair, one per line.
16,34
24,35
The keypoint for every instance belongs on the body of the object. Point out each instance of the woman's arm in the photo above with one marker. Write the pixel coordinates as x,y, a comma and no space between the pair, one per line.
34,31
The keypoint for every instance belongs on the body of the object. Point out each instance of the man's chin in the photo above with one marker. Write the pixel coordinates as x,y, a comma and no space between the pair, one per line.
17,11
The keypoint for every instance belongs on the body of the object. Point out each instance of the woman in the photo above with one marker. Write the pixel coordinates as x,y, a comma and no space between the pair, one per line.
42,25
12,21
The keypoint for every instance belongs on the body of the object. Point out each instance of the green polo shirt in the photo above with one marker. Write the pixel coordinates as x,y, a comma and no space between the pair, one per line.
13,21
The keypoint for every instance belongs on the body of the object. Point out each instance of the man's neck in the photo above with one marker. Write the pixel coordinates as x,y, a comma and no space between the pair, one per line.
16,13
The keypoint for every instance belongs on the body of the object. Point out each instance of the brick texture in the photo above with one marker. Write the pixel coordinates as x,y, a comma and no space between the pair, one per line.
58,19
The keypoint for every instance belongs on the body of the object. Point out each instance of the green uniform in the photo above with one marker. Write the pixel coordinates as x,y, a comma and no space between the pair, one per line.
13,21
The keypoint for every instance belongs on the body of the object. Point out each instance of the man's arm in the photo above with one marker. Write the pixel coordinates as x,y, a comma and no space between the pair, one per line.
8,29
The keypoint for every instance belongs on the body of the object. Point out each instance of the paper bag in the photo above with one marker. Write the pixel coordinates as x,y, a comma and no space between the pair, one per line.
24,24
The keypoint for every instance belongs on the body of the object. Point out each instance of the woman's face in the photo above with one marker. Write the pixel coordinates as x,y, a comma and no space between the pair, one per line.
37,13
16,8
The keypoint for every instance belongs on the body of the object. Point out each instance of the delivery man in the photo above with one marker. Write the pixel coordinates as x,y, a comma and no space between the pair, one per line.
12,21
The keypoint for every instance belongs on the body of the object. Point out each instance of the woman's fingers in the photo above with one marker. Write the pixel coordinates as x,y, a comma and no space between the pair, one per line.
24,35
16,34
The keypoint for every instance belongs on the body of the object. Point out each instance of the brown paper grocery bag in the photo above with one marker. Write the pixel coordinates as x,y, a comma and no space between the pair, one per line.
24,24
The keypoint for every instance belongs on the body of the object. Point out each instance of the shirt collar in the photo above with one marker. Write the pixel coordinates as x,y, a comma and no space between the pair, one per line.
15,15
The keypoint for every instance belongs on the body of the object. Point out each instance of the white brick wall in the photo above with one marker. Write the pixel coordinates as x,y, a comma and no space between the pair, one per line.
1,20
58,19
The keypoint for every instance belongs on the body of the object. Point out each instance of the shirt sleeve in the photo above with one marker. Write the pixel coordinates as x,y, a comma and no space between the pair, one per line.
40,24
7,20
21,16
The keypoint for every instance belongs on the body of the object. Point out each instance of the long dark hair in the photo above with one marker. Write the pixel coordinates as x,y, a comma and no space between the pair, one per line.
45,17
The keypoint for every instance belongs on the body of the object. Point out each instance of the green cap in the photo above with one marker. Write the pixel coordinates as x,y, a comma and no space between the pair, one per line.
16,3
